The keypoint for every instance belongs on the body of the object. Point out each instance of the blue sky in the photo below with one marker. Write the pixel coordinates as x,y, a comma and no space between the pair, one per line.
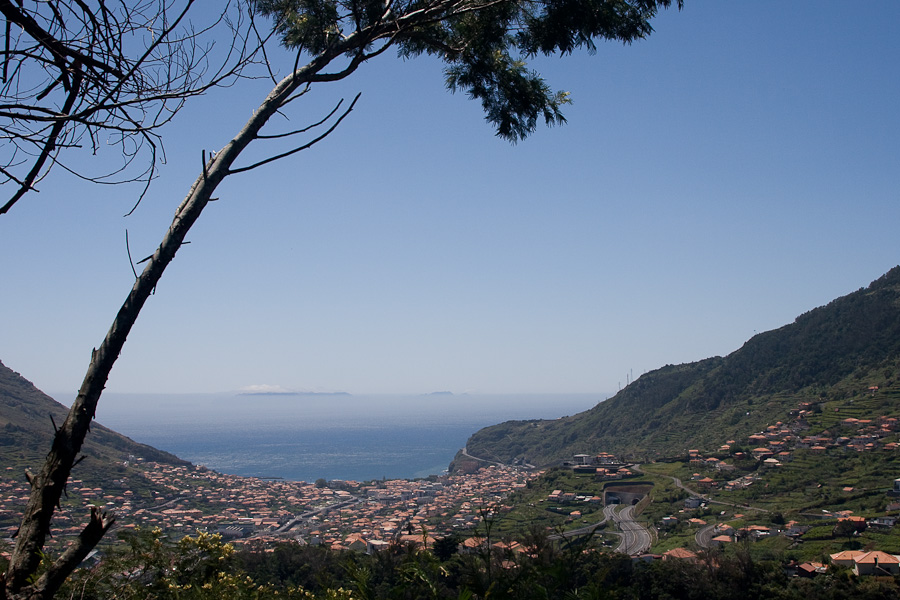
739,167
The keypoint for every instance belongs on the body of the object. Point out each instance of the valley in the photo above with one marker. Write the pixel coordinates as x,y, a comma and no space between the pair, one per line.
786,452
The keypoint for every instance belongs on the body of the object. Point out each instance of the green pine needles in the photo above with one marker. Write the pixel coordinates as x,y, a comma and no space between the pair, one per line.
484,43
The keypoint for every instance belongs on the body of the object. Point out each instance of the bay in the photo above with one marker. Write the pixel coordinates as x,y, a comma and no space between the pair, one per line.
307,437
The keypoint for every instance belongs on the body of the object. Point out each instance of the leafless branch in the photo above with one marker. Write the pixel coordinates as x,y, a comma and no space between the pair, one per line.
73,71
304,129
305,146
130,260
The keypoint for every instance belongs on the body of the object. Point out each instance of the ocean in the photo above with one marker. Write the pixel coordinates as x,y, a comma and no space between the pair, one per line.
307,437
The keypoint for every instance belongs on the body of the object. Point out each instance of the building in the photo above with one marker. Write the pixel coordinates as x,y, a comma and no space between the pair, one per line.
876,563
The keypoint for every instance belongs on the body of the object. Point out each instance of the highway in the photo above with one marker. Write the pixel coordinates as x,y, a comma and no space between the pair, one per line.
300,518
635,537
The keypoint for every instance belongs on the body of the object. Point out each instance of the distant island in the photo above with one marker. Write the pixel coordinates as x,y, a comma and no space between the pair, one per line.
294,394
441,394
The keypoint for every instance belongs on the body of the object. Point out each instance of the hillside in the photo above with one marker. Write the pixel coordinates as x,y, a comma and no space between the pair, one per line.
26,431
835,352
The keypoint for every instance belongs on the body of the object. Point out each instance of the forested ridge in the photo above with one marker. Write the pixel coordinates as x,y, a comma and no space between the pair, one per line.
842,348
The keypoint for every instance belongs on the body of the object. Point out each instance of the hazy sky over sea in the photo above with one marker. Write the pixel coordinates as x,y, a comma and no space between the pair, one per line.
737,168
305,437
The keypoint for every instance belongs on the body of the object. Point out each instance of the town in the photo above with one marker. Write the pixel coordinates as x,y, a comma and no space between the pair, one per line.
338,514
183,500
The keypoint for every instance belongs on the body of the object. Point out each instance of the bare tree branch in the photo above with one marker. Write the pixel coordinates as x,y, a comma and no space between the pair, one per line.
305,146
73,70
50,144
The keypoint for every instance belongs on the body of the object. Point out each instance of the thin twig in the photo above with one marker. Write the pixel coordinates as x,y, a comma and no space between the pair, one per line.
130,261
299,148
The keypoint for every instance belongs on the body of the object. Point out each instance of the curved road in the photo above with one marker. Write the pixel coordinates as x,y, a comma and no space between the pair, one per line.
586,530
465,452
678,484
704,536
681,486
635,537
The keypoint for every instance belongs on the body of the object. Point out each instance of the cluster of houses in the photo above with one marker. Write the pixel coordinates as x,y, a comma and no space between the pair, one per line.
860,435
412,512
723,533
777,444
868,562
771,448
603,466
561,497
368,516
343,515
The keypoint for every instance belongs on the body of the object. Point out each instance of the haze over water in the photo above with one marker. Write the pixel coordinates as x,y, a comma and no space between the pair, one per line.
305,437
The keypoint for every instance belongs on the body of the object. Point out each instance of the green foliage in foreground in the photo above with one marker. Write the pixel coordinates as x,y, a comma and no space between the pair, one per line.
144,566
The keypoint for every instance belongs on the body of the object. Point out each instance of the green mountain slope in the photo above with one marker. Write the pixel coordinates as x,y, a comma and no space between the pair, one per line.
26,431
833,352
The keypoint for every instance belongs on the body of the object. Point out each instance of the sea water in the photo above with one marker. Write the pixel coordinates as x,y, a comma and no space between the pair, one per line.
307,437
